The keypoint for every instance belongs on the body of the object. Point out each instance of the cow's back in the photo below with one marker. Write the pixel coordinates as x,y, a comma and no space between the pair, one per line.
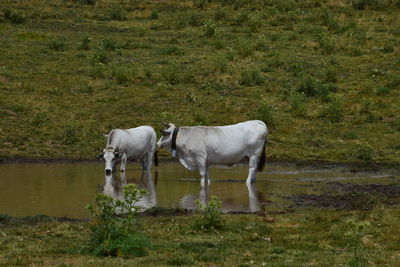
135,142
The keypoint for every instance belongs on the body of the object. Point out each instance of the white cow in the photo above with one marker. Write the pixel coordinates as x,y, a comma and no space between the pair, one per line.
134,144
201,146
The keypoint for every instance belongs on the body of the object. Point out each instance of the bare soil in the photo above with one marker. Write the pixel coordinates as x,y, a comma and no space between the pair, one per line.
346,196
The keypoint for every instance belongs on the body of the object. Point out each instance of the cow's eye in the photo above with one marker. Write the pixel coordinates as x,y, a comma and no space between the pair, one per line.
165,133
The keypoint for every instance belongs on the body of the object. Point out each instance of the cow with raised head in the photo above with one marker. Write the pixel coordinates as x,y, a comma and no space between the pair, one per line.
199,147
134,144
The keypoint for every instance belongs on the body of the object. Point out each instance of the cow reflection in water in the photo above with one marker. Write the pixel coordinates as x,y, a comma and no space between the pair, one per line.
256,200
113,187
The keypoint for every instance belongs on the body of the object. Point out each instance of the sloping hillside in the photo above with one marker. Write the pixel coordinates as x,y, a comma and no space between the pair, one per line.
323,74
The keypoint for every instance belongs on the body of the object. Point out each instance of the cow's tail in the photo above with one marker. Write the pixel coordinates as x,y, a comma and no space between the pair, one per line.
155,158
261,160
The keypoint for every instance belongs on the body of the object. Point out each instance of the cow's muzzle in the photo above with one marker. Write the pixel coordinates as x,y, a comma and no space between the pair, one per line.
108,171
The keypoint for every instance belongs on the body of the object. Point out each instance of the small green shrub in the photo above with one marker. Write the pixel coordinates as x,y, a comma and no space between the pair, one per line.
221,64
171,50
331,75
329,20
112,235
70,134
210,218
394,82
88,2
389,46
382,91
171,73
326,43
251,78
122,74
85,42
219,44
117,12
244,47
261,43
209,28
108,44
308,86
154,14
266,112
40,118
100,56
350,135
57,44
255,23
333,111
242,18
13,16
295,66
195,20
180,23
325,90
298,104
363,152
220,14
372,4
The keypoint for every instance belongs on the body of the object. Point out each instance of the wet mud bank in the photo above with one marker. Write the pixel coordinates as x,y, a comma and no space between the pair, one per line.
347,196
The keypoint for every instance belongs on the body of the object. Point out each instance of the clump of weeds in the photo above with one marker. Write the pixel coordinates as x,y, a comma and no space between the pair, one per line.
112,235
210,217
13,16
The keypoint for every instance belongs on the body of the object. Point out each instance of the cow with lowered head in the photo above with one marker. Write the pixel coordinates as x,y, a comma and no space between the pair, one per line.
134,144
199,147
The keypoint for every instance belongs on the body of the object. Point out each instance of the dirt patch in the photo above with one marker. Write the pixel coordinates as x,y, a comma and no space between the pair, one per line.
346,196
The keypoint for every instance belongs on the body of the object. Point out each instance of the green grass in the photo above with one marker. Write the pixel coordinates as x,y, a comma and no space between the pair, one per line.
319,237
73,70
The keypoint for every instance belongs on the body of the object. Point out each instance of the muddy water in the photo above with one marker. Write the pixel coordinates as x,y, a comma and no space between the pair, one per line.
64,189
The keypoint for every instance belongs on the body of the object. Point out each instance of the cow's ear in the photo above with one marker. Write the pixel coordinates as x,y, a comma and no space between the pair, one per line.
100,156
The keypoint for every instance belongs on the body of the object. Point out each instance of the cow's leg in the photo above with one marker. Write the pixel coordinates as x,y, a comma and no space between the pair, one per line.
202,167
143,160
253,161
150,156
123,162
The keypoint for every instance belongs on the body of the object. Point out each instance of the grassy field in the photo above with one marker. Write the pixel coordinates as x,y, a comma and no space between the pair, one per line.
303,238
323,74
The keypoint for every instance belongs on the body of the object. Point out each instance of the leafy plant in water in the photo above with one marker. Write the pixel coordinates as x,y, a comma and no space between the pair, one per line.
210,218
112,235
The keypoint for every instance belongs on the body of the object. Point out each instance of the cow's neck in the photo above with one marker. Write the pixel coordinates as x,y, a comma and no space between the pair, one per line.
173,142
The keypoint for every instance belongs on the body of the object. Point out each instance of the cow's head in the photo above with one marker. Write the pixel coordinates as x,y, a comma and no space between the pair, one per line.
166,138
110,155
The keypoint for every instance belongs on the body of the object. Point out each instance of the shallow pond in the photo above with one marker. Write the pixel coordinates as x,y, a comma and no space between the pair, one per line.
64,189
